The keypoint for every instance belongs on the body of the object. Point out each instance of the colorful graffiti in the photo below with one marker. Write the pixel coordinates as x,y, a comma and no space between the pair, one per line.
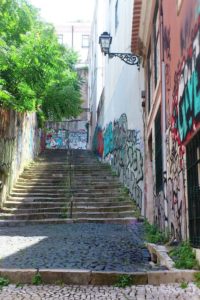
108,139
186,93
65,139
78,139
98,145
170,204
57,139
121,148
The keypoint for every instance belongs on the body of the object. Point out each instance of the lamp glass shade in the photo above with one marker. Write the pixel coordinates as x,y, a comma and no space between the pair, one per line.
105,40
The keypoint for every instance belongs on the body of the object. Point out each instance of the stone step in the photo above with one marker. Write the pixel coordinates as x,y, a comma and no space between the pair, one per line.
36,189
46,215
74,184
35,210
66,177
51,183
96,177
57,193
65,208
67,168
68,163
38,181
107,189
39,194
64,192
49,187
58,183
37,198
43,204
30,204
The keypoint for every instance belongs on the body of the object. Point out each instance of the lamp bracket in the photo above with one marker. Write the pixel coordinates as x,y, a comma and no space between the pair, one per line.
128,58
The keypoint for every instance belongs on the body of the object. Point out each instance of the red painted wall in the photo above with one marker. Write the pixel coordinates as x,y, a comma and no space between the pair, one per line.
182,58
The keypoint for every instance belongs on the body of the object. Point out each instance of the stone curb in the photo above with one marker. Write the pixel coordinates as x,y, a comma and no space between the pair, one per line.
11,223
159,254
86,277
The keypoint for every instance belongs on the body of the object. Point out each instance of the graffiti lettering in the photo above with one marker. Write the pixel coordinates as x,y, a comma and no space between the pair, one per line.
186,95
78,139
121,148
189,107
108,139
64,139
98,145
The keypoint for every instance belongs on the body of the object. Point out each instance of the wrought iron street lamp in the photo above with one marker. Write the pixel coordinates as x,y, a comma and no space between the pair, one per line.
105,41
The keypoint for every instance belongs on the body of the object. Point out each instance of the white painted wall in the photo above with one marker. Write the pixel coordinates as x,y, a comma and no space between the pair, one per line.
122,85
96,76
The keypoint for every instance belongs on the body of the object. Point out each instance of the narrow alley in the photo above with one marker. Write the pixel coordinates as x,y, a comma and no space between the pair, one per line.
100,149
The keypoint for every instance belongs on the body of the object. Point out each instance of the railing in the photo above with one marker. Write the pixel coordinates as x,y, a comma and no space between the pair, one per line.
70,160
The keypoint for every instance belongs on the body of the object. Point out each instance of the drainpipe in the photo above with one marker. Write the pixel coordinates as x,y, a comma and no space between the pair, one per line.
163,114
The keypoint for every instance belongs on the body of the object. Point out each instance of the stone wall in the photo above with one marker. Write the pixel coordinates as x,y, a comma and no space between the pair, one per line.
19,144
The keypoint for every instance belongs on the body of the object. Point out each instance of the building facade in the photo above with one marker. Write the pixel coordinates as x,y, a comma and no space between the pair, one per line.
76,35
169,44
115,98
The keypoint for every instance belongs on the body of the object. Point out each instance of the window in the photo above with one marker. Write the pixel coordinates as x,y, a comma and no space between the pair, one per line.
156,45
158,153
116,15
85,41
149,78
60,38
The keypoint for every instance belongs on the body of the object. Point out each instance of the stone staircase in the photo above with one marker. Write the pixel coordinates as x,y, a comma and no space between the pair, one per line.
67,186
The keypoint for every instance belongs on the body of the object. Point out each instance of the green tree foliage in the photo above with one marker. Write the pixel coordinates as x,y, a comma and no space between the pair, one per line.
36,72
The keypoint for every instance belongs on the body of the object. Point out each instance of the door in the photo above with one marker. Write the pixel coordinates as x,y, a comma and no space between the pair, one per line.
193,181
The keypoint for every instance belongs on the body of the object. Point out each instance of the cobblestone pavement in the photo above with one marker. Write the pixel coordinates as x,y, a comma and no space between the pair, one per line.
148,292
109,247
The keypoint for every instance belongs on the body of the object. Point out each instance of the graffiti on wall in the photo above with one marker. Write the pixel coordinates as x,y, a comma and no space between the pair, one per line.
78,139
108,139
185,119
18,145
65,139
186,32
121,147
167,56
186,93
98,145
56,139
175,190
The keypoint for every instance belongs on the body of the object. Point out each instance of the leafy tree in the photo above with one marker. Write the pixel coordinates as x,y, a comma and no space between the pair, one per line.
36,72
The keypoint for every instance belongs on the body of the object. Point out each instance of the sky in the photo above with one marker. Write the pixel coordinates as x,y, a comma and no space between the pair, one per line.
59,12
